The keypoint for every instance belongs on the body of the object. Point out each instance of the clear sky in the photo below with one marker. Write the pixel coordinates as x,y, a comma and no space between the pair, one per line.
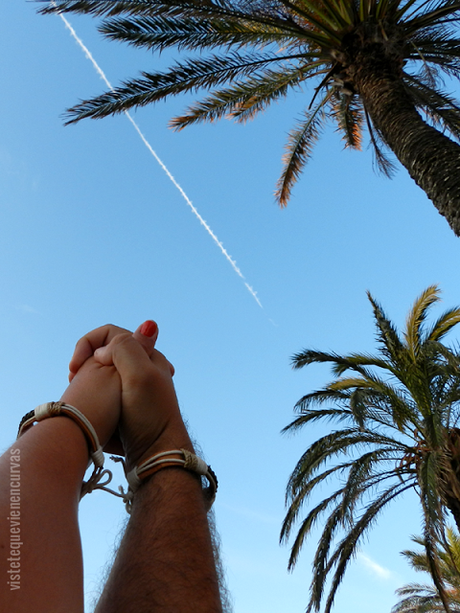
93,231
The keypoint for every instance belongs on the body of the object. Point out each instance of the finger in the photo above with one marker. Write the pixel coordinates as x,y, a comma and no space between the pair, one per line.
104,355
147,335
128,356
88,344
83,350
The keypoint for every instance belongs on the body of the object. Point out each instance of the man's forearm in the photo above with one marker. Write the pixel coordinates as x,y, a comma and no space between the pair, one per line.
165,562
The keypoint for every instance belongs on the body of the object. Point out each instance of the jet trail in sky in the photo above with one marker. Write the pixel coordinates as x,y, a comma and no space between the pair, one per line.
149,147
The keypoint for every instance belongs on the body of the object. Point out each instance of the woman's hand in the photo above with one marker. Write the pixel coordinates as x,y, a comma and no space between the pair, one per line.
96,391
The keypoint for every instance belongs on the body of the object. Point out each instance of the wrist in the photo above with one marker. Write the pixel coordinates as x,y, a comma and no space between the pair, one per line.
173,436
187,463
59,446
95,392
55,410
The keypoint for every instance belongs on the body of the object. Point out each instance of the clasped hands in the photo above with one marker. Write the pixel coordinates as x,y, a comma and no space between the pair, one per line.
124,387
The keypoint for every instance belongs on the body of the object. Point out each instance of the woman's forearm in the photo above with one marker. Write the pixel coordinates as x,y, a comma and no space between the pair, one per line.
40,482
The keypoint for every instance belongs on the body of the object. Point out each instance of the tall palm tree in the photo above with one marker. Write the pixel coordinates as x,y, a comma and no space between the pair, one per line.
396,417
419,598
373,63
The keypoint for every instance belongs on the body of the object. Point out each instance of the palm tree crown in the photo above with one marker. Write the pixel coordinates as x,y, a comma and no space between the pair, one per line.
418,598
376,63
396,415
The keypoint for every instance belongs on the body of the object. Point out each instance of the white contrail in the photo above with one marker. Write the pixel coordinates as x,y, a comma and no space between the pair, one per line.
100,72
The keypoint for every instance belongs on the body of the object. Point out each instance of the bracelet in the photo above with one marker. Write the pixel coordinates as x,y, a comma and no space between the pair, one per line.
53,409
178,457
183,459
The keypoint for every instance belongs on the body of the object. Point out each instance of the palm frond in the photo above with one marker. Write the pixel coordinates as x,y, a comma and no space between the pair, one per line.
340,364
443,324
96,7
390,344
201,27
417,316
158,33
440,109
319,16
427,597
245,99
348,546
349,116
299,148
187,76
432,16
382,161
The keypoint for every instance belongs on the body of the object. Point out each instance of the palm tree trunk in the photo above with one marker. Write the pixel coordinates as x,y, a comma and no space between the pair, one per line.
432,159
452,478
453,504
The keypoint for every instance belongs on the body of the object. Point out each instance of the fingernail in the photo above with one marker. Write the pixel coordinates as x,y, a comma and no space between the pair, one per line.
148,328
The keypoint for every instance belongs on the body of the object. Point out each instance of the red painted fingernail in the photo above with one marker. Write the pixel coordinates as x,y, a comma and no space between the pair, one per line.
149,328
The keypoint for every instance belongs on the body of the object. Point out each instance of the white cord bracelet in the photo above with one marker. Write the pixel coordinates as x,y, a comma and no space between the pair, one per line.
53,409
186,459
178,457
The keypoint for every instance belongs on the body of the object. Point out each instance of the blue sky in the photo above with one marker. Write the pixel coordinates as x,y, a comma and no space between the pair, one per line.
92,231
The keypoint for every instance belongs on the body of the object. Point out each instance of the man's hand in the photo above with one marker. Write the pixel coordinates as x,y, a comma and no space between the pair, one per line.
150,421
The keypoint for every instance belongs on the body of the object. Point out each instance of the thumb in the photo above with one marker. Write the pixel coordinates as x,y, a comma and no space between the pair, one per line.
146,335
125,353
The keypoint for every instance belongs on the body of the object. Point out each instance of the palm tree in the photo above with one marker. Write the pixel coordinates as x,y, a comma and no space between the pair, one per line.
396,414
419,598
374,63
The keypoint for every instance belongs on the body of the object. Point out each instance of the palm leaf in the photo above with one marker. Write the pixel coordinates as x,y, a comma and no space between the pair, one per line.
348,546
349,116
417,315
243,100
390,343
157,33
299,148
443,324
188,76
383,163
439,108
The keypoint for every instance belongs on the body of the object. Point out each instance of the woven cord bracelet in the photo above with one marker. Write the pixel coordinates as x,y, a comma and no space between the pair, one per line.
53,409
176,458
